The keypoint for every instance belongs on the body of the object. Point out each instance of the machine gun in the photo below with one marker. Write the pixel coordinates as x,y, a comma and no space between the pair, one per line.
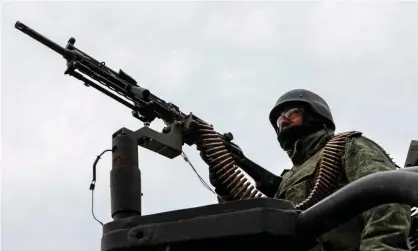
217,150
241,224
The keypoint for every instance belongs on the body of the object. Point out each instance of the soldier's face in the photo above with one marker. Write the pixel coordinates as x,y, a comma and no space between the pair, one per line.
289,117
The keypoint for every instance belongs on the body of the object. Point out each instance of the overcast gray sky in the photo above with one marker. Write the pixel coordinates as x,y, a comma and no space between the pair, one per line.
225,62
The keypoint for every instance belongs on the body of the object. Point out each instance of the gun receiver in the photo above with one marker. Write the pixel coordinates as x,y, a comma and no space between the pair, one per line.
218,149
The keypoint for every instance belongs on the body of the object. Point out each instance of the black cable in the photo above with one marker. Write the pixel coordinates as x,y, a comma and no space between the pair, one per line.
92,208
93,184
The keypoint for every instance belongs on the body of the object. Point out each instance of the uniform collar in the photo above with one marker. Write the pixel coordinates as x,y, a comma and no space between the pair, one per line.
306,147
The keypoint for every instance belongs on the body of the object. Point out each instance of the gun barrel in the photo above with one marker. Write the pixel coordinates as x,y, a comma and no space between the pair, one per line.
40,38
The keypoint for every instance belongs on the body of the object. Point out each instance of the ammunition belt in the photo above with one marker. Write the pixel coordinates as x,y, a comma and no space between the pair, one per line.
217,156
329,170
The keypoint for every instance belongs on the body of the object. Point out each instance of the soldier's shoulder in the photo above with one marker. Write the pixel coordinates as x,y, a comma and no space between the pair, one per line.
350,134
351,138
358,140
359,143
364,154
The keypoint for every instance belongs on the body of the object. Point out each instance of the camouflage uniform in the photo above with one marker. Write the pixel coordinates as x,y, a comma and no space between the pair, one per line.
382,228
385,227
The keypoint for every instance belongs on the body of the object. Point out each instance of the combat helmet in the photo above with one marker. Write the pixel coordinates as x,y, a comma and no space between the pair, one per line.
318,105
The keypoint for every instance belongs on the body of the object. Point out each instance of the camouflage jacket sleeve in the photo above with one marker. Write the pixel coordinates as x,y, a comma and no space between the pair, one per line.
386,227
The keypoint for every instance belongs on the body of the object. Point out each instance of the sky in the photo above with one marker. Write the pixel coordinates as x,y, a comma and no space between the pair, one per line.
226,62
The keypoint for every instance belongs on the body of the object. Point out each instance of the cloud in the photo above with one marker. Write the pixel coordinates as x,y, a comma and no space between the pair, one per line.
241,27
351,29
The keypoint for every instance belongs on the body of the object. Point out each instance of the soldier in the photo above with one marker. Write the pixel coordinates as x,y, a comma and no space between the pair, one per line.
304,125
